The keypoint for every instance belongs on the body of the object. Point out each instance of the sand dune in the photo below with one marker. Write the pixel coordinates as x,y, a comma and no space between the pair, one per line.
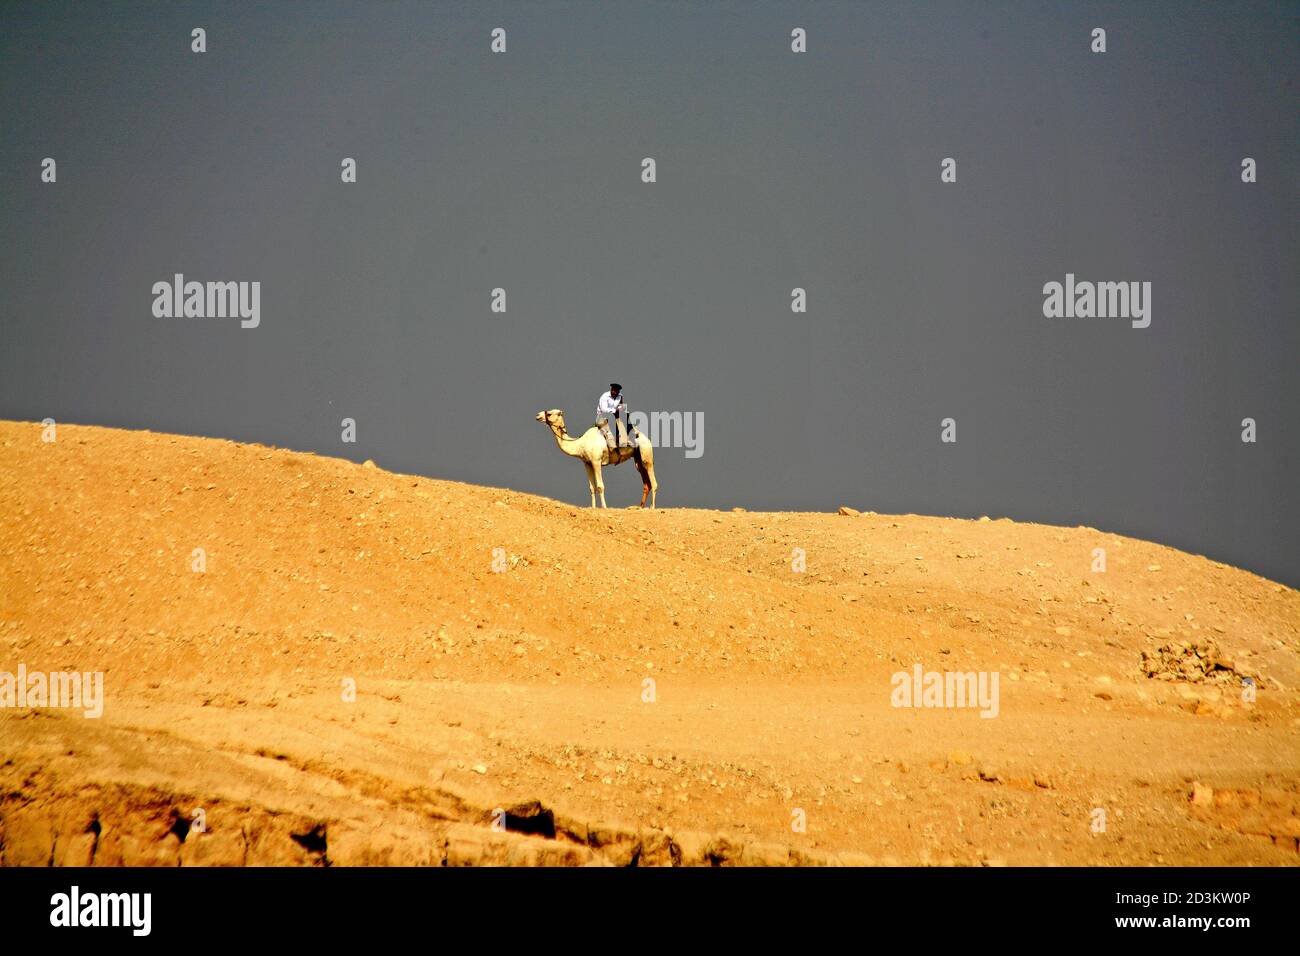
500,645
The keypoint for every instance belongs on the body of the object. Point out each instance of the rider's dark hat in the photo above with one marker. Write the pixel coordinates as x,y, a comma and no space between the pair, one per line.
615,385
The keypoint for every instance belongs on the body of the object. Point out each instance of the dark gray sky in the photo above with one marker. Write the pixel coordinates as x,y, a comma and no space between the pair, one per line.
775,170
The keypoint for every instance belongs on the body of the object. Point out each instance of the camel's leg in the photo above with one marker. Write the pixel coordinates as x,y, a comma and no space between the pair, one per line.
600,484
654,485
645,482
591,482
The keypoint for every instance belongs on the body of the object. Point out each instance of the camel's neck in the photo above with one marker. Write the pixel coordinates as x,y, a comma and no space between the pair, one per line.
568,444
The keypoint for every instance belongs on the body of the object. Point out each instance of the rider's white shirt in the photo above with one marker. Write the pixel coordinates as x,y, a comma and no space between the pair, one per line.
607,405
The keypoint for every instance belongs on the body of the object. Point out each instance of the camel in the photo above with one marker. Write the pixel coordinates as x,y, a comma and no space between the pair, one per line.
594,453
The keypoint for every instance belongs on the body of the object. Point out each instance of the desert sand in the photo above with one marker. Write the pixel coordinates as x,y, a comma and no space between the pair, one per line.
500,644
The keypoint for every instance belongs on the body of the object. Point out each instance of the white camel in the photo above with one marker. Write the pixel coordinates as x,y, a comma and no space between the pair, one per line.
594,453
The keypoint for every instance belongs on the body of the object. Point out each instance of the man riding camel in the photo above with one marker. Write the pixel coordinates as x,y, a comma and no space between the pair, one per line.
613,404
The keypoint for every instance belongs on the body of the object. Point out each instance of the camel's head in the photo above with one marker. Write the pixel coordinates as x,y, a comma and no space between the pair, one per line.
553,418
